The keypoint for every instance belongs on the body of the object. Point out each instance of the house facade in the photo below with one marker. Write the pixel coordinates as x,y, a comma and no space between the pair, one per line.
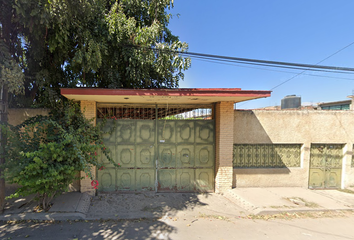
193,140
165,140
293,148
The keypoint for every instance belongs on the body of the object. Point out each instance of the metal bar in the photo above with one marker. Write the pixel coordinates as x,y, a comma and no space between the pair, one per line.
156,150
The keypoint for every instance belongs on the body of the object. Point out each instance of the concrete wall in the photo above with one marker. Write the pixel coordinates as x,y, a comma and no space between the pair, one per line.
292,126
19,115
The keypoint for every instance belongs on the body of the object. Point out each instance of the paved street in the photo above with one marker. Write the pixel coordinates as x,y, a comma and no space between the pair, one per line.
329,226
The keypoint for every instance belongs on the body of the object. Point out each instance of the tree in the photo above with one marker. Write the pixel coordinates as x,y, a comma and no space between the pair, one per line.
11,79
91,43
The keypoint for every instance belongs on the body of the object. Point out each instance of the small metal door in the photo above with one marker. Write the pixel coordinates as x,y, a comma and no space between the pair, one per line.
326,166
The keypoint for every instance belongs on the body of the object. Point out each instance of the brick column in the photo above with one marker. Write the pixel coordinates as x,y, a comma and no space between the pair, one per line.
224,126
88,108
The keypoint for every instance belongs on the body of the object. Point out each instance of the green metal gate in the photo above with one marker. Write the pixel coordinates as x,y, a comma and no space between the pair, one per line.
159,155
132,145
185,156
326,166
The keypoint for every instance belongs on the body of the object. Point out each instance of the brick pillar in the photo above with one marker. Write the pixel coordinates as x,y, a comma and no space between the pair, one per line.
224,126
89,110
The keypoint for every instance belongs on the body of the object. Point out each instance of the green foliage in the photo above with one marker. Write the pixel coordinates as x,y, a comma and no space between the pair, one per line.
45,153
91,43
10,72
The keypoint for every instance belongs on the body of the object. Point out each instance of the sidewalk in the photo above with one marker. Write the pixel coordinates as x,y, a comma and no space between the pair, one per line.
149,205
276,200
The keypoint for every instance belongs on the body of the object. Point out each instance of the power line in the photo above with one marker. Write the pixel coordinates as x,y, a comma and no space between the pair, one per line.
278,64
272,70
316,64
267,65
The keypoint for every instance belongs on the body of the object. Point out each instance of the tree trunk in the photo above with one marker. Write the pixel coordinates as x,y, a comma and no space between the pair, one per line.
3,118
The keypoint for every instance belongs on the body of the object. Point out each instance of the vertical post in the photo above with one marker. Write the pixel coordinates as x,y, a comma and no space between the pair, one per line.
3,116
88,108
224,126
156,150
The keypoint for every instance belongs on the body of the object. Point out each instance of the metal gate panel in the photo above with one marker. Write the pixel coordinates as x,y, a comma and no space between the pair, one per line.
185,131
112,154
125,132
167,131
185,156
204,180
126,179
185,180
107,179
166,179
204,132
145,156
167,156
325,165
108,136
145,131
145,179
204,156
126,156
317,177
333,178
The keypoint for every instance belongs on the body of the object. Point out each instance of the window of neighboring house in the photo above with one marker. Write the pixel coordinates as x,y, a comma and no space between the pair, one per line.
266,155
337,107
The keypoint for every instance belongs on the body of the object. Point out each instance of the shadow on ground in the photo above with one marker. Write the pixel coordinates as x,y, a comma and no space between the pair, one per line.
133,229
143,205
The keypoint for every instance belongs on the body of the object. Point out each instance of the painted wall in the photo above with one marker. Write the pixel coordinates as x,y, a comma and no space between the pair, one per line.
292,126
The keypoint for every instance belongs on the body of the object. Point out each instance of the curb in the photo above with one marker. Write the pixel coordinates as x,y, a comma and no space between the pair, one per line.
43,216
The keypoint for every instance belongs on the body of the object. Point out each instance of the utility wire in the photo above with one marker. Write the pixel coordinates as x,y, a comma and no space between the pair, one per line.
273,70
255,61
268,65
308,69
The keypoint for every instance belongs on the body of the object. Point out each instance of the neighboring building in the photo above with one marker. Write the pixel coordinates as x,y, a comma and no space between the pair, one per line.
339,105
293,148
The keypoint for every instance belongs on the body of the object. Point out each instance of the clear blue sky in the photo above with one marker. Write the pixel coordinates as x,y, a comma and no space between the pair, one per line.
301,31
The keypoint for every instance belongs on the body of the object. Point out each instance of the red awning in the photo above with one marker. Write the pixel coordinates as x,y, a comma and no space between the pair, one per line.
171,96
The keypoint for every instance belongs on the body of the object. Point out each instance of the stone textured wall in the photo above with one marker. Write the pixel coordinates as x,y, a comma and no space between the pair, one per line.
224,114
292,126
89,110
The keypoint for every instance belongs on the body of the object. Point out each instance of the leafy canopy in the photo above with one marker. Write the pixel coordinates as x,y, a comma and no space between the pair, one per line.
90,43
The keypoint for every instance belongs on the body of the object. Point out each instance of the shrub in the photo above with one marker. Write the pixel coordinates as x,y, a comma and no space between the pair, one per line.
45,153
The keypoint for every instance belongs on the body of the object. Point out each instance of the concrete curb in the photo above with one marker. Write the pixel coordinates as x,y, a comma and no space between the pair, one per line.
43,216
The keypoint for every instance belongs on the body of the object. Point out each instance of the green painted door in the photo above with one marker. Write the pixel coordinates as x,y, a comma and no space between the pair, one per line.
132,145
185,156
325,166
